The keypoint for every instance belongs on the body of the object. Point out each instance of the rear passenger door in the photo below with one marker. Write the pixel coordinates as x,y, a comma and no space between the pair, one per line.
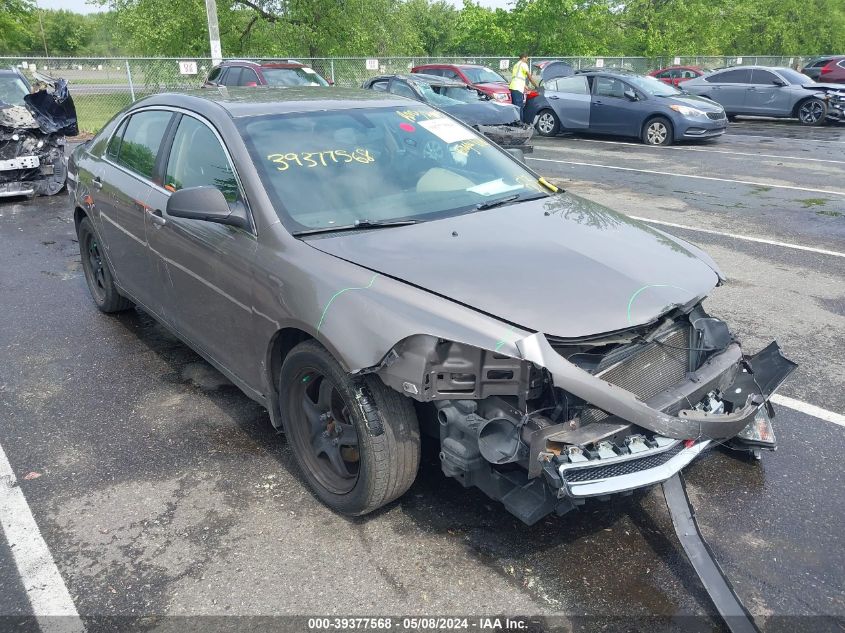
205,268
729,88
569,97
128,179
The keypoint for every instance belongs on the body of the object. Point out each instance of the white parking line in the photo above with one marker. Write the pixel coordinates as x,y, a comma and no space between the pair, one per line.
747,238
694,149
809,409
784,138
768,185
51,603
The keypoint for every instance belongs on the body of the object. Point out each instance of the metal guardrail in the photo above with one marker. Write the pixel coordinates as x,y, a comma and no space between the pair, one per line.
102,87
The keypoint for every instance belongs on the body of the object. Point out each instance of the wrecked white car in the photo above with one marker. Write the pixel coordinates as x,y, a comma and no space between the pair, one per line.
365,291
33,126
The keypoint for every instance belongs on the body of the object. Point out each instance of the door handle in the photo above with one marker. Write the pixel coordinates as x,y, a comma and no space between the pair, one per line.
156,217
598,103
97,182
553,97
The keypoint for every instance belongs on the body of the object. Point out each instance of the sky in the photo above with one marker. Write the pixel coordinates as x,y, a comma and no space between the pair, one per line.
81,6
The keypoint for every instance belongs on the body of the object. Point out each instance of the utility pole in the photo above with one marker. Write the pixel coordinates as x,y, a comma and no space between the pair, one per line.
213,32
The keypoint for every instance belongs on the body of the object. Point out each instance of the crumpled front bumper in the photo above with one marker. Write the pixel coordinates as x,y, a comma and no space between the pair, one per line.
682,433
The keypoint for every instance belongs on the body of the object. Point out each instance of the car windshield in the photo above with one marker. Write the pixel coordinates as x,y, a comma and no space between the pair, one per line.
794,77
652,85
482,76
293,77
12,90
336,168
435,98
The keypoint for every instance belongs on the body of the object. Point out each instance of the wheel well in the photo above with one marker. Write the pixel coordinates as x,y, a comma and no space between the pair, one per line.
658,116
281,344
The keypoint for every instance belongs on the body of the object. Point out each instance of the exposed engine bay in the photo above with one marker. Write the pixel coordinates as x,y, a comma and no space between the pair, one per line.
593,417
32,140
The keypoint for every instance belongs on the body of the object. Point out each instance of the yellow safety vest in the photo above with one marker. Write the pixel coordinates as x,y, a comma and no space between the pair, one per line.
519,74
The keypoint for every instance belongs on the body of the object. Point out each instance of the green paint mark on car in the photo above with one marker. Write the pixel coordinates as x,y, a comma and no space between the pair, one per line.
336,295
644,288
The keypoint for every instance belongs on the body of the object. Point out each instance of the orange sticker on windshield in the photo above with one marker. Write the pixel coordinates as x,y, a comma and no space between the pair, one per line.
323,158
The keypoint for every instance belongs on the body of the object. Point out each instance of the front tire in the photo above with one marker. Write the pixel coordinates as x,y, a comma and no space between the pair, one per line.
97,272
812,111
547,123
356,441
657,131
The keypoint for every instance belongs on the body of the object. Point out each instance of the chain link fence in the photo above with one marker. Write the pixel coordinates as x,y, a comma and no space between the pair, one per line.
102,87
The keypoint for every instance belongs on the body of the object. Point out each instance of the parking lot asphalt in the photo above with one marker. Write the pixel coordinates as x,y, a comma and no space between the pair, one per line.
164,491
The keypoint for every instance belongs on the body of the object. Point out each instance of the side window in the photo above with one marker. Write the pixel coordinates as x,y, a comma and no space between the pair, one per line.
688,74
379,86
437,72
451,74
763,77
609,87
664,75
841,63
141,141
214,74
113,148
576,84
197,159
402,89
233,76
248,77
737,76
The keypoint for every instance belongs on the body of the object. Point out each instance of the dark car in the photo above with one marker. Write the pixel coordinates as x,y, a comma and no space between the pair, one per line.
365,293
266,73
623,104
33,126
674,75
482,78
826,69
771,92
500,122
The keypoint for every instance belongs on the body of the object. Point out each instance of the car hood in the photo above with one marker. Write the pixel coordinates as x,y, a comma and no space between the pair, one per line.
824,87
495,86
483,113
693,101
560,265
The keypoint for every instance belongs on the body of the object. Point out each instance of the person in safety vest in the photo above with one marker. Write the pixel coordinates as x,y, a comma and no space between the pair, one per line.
520,73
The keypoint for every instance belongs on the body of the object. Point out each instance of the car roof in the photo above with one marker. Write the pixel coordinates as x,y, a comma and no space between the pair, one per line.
258,101
262,63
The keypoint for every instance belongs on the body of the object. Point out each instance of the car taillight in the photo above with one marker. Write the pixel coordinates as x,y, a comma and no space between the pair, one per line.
827,68
531,94
250,84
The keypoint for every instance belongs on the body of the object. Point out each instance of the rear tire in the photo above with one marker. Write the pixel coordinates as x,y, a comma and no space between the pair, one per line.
812,111
657,131
97,272
547,123
356,441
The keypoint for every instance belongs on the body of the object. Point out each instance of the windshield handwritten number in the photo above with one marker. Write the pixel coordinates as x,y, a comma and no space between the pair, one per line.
324,158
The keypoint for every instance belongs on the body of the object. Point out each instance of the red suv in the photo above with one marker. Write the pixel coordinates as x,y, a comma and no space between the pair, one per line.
480,77
238,72
673,75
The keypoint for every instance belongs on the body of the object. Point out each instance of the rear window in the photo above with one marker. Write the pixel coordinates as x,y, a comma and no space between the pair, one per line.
141,141
329,169
293,77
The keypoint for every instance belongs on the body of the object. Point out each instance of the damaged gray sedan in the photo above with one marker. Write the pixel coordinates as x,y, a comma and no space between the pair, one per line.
366,292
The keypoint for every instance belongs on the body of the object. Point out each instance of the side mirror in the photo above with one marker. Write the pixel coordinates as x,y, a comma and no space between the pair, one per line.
631,94
206,203
779,82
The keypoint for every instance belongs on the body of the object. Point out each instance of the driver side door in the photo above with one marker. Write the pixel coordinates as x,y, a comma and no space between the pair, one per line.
611,112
